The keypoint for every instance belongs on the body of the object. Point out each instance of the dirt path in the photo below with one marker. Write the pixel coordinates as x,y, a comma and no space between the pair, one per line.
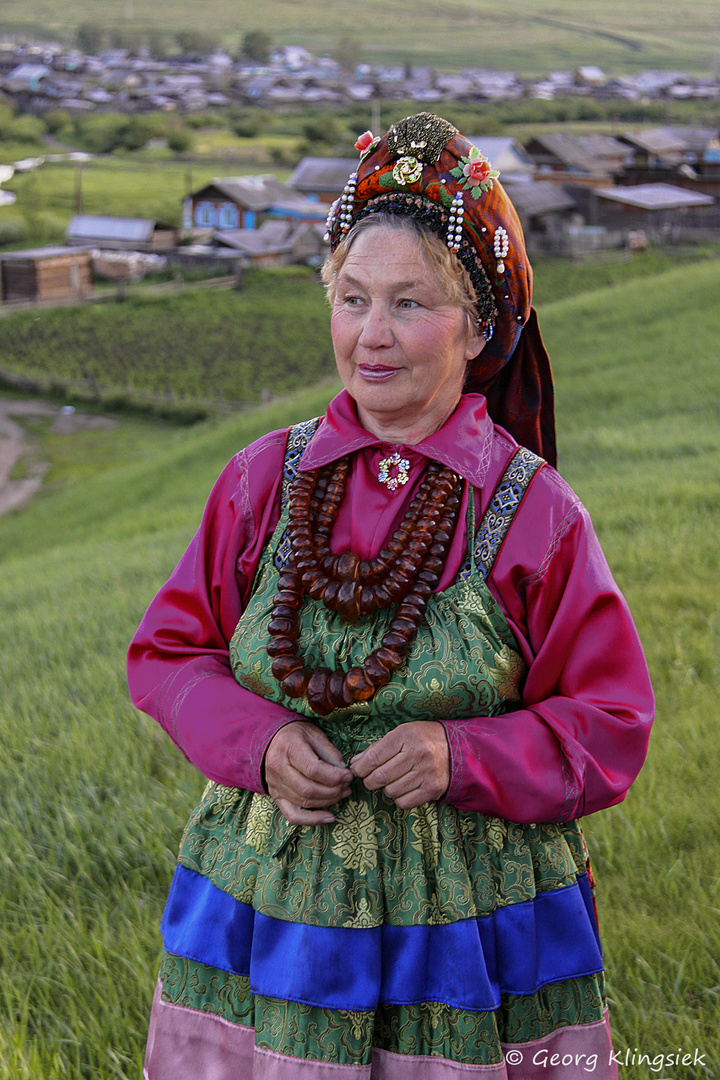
16,443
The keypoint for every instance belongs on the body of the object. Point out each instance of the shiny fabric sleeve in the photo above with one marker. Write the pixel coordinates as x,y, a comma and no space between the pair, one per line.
581,737
178,666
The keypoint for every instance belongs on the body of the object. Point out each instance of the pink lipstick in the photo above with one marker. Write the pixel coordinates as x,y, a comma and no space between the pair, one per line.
376,372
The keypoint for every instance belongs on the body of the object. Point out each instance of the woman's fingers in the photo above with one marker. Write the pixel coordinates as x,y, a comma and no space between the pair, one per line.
300,815
295,771
411,761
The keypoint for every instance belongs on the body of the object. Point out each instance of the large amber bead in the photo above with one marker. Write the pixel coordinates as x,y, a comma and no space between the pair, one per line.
295,684
317,693
282,666
281,646
359,686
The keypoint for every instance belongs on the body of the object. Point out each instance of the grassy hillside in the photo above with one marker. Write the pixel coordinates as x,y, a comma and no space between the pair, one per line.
534,37
273,336
96,796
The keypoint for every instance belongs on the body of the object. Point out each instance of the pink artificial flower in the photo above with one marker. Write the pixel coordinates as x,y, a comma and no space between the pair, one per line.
364,141
477,170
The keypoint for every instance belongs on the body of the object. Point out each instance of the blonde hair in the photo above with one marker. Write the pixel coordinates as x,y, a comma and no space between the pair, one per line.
449,273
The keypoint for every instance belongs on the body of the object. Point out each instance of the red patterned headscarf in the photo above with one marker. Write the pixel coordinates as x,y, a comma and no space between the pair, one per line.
425,169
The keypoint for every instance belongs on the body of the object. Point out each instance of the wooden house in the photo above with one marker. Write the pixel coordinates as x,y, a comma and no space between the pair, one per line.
51,273
577,159
659,209
233,202
543,207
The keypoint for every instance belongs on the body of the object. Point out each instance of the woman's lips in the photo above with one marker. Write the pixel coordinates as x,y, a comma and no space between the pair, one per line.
376,372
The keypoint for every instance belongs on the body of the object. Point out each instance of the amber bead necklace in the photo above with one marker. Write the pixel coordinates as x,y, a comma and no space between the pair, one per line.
404,573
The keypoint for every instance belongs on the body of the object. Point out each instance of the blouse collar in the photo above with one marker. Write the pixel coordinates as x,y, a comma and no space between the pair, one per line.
463,443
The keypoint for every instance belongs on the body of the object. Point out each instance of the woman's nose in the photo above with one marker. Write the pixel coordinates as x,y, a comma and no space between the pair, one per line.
376,332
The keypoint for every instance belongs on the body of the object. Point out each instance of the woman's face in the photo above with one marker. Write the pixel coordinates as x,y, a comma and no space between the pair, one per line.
401,347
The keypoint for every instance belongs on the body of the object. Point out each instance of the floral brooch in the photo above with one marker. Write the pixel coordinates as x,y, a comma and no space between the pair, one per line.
407,170
366,143
475,173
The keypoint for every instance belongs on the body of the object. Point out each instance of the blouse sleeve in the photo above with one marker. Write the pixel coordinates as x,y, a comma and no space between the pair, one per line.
178,666
581,736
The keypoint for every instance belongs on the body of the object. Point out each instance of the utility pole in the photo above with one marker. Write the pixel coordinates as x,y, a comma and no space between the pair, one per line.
79,206
375,127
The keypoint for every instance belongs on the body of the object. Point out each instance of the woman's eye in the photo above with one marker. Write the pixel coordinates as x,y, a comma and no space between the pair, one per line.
407,304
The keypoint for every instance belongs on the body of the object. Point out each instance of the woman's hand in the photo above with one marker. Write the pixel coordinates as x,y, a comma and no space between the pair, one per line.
303,770
411,764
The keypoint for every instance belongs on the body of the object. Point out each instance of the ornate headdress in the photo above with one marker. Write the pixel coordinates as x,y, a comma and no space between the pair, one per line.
425,169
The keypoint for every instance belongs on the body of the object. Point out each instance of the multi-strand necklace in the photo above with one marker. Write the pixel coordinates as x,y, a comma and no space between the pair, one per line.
403,573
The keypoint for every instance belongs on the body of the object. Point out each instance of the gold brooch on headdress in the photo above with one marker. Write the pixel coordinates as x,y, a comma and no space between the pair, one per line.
423,136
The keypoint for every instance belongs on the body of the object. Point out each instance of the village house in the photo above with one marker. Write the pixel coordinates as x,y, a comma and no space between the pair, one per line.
234,202
589,159
322,178
120,234
661,210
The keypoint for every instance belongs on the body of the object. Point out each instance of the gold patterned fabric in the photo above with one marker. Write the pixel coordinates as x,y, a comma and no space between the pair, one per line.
379,868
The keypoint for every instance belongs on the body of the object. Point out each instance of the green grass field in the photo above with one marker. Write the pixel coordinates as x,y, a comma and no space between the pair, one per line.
532,37
95,795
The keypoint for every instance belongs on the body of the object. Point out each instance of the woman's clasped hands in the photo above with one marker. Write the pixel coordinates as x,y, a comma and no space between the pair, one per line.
305,773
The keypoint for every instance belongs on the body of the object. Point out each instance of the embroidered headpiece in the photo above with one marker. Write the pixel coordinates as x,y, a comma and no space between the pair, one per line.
424,168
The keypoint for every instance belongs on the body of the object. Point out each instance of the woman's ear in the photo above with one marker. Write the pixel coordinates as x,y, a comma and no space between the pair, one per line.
476,342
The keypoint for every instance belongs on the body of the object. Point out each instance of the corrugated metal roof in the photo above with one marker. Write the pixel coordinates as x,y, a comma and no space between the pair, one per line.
92,227
569,151
655,196
323,174
250,192
540,197
655,140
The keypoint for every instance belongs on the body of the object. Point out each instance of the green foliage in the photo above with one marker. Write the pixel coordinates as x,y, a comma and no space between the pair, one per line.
57,122
249,123
325,130
25,129
348,52
90,37
13,227
180,140
256,46
141,128
196,43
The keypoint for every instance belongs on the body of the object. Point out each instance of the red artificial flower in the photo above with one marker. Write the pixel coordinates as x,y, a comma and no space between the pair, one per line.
478,170
364,141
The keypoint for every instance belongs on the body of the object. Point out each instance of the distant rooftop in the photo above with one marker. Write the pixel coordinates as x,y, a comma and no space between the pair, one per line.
95,227
656,196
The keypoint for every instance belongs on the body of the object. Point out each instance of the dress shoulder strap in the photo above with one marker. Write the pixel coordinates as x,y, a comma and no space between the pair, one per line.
501,510
299,436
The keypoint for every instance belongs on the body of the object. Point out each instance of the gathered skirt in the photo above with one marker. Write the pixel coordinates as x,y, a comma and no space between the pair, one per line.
423,944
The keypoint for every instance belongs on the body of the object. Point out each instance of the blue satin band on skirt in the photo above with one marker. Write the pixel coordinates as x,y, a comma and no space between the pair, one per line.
466,965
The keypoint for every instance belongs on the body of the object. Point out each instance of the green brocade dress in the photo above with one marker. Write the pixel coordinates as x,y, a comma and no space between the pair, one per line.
430,933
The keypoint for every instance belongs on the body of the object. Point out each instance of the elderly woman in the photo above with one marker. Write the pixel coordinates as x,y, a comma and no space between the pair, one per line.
396,651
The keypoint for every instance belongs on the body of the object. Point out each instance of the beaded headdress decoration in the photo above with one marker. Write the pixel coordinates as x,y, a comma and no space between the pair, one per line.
425,169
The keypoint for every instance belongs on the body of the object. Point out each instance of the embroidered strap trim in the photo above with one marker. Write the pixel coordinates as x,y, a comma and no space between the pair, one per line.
299,436
501,510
